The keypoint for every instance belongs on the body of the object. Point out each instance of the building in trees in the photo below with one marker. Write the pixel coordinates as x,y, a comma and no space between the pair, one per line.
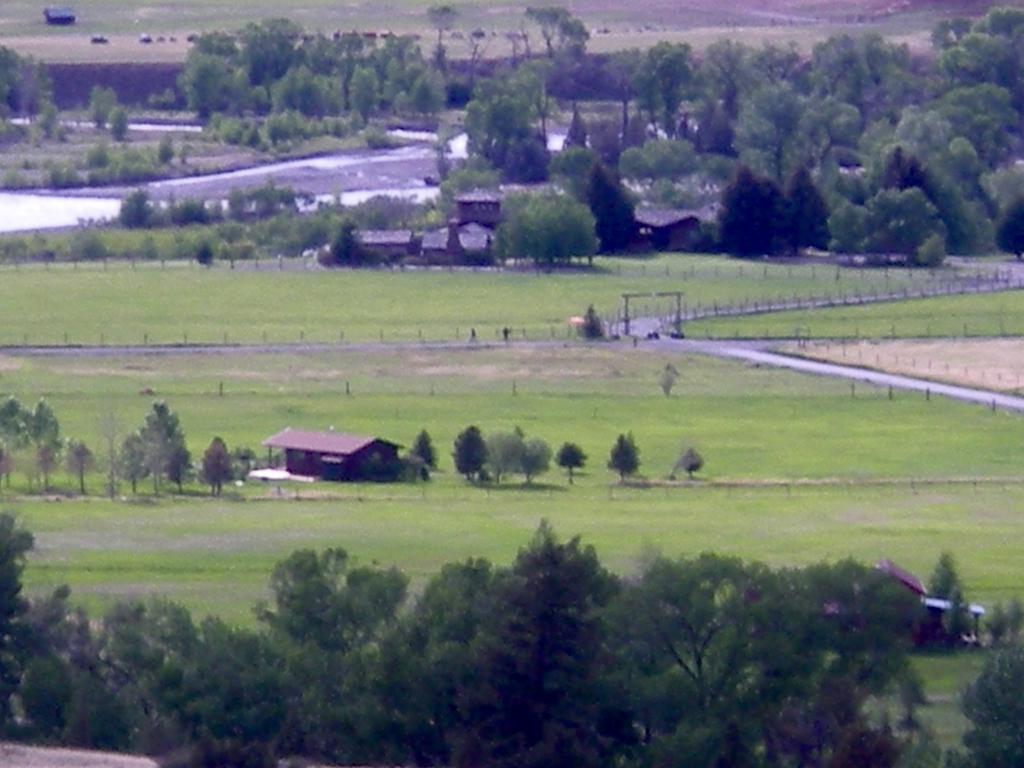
336,456
669,229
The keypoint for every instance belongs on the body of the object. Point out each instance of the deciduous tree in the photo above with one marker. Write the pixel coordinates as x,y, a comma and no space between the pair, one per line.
79,460
1010,234
217,468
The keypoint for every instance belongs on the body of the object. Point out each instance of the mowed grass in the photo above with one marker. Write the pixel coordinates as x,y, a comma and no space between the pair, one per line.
796,469
93,305
999,314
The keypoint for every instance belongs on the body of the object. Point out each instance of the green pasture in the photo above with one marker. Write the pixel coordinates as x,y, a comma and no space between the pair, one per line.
608,21
796,469
999,314
754,424
93,304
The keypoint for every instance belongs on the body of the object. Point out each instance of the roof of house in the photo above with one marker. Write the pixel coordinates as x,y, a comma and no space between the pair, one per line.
479,196
58,12
436,240
904,577
402,237
943,605
664,217
475,237
321,442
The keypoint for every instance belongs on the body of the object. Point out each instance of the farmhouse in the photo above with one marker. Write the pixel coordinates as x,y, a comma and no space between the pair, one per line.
335,456
468,238
59,15
931,628
664,229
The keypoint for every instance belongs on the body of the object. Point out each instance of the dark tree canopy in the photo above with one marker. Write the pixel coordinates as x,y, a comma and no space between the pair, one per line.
570,457
536,702
423,449
1010,234
470,452
612,209
806,212
624,457
753,212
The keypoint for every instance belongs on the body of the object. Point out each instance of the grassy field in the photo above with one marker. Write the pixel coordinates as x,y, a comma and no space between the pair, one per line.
87,304
613,26
1000,314
796,469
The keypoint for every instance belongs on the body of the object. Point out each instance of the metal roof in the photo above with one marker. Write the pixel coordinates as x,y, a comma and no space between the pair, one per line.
903,576
474,237
663,217
385,236
436,240
337,443
479,196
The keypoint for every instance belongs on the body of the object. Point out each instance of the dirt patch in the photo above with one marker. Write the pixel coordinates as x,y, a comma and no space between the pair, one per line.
8,364
996,364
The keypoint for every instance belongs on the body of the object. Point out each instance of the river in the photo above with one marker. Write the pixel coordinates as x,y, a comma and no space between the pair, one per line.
351,177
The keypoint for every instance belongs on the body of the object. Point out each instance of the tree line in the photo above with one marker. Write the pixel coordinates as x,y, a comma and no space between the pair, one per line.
552,660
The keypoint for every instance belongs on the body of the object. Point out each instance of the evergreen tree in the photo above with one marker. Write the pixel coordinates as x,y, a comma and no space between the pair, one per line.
753,214
612,209
470,452
536,700
624,457
577,134
423,449
14,545
806,212
1010,234
570,457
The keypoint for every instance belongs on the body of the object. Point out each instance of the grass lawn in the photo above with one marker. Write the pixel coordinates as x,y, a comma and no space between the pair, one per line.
90,304
999,314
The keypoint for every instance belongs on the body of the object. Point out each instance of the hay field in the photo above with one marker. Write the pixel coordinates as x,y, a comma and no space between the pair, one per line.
996,364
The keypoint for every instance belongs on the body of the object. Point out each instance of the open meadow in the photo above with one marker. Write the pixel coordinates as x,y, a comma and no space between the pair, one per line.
95,304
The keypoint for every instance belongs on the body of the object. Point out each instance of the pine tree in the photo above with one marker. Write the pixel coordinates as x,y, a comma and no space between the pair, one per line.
612,209
806,212
423,449
753,215
577,134
1010,233
624,457
535,701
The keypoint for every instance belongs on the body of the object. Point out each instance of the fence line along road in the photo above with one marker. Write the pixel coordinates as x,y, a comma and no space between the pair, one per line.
978,285
757,354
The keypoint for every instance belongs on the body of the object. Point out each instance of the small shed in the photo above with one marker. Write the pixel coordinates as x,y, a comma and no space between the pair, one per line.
59,15
388,244
336,456
479,207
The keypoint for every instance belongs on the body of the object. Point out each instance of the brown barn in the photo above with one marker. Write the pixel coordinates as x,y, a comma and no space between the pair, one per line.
665,229
336,456
479,207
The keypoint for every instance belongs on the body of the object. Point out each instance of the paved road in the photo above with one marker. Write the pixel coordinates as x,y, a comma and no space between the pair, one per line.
761,354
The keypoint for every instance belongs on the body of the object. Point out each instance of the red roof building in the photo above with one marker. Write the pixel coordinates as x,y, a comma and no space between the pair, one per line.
335,455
